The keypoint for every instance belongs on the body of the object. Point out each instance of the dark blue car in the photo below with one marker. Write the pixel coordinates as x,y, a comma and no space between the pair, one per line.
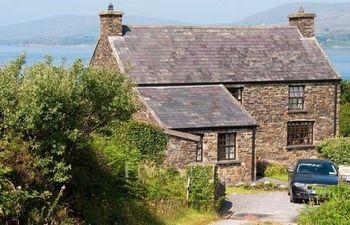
308,173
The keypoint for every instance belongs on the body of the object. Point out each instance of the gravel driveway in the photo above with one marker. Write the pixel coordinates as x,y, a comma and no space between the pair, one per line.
272,206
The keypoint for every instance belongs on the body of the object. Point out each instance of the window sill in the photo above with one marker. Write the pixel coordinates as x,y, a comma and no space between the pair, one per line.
225,162
297,111
296,147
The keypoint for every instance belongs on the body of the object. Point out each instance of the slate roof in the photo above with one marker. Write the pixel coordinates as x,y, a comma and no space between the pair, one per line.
188,54
201,106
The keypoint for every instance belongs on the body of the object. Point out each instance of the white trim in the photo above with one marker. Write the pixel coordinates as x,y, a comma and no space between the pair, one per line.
183,135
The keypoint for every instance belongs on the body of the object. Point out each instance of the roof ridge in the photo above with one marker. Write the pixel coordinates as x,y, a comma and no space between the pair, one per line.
282,26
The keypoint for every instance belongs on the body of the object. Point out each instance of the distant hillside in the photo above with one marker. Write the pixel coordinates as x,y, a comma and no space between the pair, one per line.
64,30
332,22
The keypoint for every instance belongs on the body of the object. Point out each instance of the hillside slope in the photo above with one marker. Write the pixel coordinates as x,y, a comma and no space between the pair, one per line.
64,30
332,22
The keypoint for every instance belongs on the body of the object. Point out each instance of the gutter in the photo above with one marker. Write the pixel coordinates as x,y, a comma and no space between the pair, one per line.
225,83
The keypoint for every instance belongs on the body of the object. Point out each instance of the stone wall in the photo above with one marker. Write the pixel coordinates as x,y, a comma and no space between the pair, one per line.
103,56
231,171
143,114
268,104
180,152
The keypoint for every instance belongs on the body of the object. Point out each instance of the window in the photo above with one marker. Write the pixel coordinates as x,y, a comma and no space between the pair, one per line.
236,92
227,146
199,153
300,133
296,97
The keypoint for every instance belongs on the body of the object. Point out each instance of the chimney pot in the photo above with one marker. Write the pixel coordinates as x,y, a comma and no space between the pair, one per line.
301,10
110,7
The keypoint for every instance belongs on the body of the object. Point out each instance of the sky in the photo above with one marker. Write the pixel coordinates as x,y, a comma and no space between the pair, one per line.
191,11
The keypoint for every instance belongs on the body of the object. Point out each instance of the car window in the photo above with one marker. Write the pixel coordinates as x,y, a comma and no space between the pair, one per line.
316,168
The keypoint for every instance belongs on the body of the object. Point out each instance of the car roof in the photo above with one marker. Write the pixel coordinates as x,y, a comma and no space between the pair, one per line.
314,161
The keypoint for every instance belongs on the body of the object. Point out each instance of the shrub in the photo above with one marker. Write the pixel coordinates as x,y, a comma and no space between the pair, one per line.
204,191
333,212
46,111
275,170
272,170
261,166
336,149
345,120
165,188
149,140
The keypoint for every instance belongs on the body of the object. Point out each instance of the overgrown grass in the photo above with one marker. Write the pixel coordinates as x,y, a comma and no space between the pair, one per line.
242,190
254,189
190,217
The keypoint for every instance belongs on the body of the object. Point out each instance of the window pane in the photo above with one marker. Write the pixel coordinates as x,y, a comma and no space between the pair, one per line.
226,146
296,97
300,133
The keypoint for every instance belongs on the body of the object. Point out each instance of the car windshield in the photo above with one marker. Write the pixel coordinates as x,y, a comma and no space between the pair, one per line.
317,168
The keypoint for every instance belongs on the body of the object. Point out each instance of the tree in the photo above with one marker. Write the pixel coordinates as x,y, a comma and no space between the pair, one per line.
46,111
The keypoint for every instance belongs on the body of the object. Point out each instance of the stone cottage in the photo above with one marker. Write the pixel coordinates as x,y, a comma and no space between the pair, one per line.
228,95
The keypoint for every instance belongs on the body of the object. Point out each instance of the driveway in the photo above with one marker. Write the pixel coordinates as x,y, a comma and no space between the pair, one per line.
272,206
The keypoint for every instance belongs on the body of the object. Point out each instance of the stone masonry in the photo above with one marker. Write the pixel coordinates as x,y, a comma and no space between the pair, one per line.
110,25
304,21
181,151
268,104
231,171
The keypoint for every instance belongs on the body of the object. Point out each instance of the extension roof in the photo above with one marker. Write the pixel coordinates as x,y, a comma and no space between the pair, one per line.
196,55
190,107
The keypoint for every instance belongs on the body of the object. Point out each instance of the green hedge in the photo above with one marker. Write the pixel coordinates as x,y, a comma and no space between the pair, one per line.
336,149
205,192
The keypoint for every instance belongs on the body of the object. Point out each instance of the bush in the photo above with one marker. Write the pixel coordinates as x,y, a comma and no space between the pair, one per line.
345,120
149,140
336,149
165,188
333,212
272,170
261,166
46,111
205,192
275,170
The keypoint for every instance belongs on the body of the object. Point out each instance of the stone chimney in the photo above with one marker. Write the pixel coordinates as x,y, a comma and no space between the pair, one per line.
304,21
111,22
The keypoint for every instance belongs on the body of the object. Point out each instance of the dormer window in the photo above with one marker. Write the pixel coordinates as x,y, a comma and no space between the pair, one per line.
296,97
236,92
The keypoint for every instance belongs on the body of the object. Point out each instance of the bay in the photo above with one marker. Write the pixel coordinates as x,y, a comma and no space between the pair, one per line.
340,57
37,53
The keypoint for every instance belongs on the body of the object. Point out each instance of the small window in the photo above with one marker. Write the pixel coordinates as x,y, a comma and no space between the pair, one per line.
237,93
300,133
227,146
296,97
199,153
